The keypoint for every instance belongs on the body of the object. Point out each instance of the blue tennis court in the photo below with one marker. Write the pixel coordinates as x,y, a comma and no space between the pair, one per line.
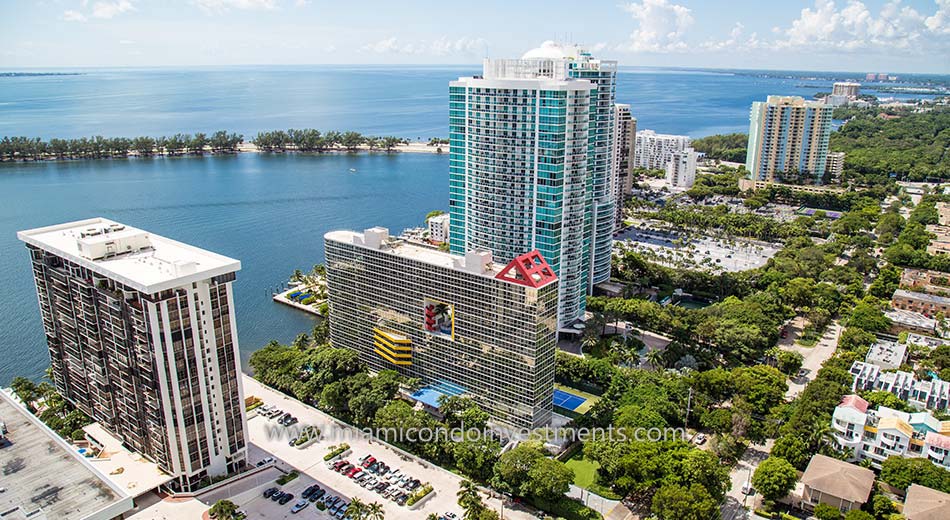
567,400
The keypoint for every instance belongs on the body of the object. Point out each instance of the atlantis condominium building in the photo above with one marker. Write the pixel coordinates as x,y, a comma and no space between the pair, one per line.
530,165
462,324
788,139
142,339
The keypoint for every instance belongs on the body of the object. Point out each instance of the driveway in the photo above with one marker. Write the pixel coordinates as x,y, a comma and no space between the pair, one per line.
813,357
735,504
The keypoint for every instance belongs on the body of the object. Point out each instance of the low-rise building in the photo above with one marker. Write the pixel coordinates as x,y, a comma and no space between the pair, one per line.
926,280
746,184
927,304
943,213
940,243
910,321
887,354
439,228
923,503
875,435
930,395
836,483
926,341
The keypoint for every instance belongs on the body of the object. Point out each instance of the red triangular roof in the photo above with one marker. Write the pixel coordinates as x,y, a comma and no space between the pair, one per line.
530,269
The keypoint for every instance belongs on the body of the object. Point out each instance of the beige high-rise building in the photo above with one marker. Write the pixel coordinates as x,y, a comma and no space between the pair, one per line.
625,136
788,139
142,339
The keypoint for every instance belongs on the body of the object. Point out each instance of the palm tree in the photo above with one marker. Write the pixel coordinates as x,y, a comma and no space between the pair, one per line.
589,341
468,496
356,509
655,359
375,511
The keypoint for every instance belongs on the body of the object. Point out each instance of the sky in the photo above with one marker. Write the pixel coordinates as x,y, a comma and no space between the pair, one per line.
823,35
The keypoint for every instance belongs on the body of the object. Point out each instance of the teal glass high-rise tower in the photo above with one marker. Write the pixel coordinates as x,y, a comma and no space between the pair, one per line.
529,165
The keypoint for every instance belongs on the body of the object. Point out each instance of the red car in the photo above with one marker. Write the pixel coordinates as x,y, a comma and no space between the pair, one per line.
339,464
368,462
353,472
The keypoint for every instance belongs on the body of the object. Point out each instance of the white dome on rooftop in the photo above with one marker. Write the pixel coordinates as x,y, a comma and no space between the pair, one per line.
548,50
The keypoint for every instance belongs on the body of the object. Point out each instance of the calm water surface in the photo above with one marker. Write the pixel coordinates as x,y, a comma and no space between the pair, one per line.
270,211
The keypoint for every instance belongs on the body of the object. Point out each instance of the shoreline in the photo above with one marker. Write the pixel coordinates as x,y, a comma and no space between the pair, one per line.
245,147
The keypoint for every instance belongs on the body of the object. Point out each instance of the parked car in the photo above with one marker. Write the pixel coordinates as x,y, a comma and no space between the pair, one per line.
354,472
366,463
747,488
277,496
286,498
317,495
402,499
340,513
291,421
265,460
269,492
700,438
299,506
309,491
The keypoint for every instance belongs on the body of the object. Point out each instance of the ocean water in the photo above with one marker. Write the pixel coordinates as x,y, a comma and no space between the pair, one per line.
269,211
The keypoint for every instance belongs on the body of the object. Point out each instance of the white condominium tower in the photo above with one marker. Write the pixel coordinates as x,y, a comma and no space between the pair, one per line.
654,151
681,170
142,339
530,165
788,137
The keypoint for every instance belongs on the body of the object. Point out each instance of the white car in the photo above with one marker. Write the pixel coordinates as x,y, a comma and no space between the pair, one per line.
747,488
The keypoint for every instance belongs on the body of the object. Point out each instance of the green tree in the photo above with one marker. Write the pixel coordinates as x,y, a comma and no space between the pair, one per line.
774,478
674,502
548,479
26,390
792,449
223,510
826,512
857,514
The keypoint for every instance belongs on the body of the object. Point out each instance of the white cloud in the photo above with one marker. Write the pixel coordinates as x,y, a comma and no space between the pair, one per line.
825,27
219,6
301,3
854,27
439,47
107,10
126,42
661,26
737,40
73,16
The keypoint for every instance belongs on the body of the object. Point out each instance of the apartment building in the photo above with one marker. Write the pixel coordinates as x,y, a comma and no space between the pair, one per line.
846,88
439,228
926,280
531,143
834,165
788,138
929,395
927,304
681,170
654,151
464,325
875,435
142,339
625,134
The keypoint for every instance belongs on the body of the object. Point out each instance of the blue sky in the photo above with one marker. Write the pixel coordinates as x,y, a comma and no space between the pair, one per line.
843,35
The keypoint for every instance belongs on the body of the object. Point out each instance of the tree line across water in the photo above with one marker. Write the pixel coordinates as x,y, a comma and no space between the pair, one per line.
311,140
99,147
20,148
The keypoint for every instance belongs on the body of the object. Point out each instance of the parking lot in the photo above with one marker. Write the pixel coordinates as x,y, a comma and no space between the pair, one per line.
268,439
695,251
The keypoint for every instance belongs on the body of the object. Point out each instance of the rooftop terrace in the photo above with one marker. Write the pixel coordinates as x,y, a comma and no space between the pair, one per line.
145,261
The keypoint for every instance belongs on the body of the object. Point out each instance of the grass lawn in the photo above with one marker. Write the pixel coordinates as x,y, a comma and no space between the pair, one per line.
585,475
584,408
